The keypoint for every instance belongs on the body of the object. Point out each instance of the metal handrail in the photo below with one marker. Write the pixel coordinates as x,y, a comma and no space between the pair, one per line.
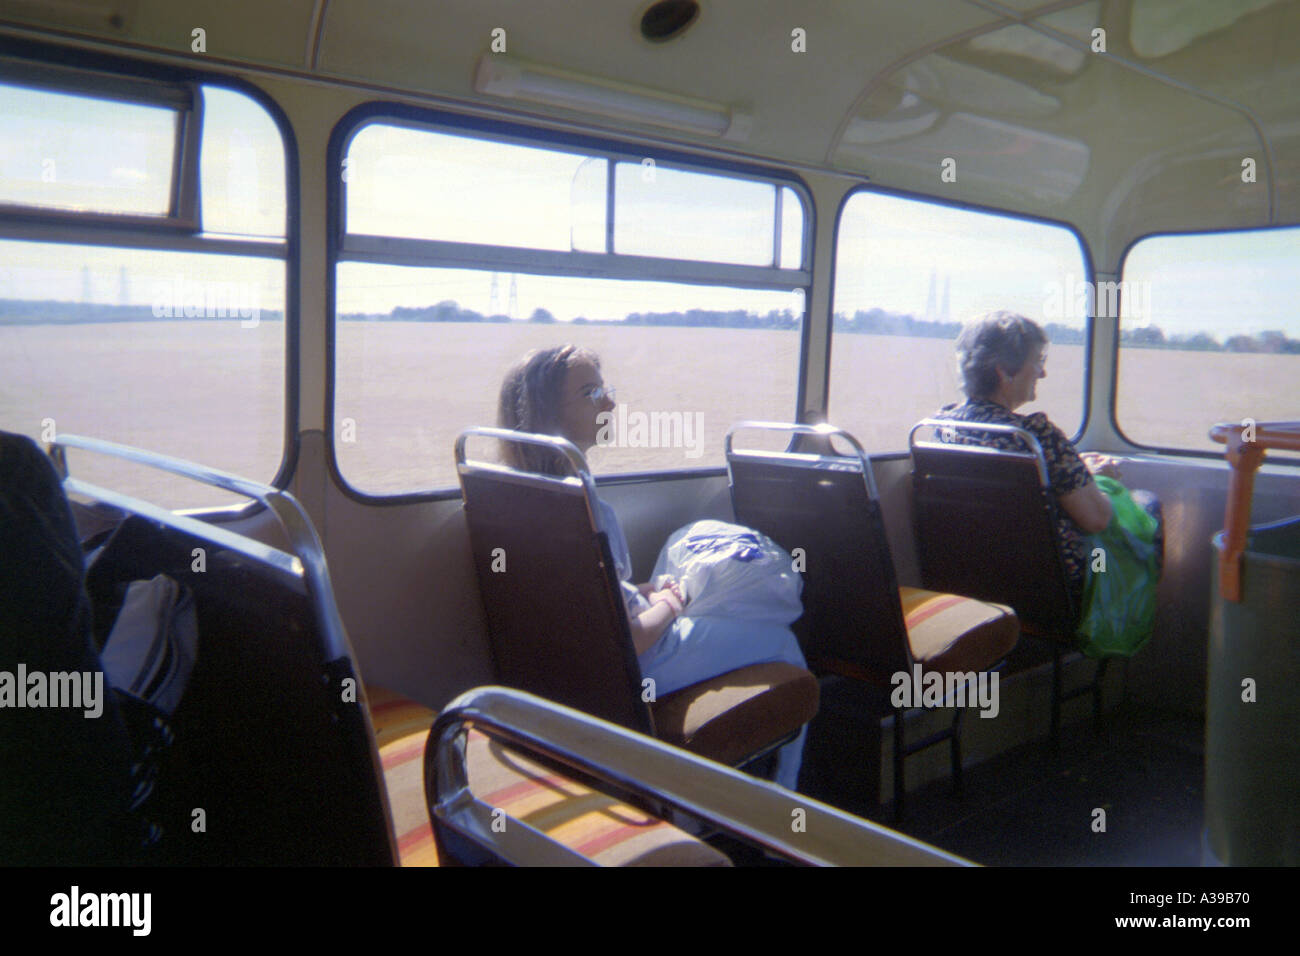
306,563
569,451
823,430
1245,455
781,821
1031,442
308,559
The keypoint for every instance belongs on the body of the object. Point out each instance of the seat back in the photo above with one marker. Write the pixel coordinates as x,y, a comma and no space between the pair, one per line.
551,594
986,524
647,774
273,743
823,509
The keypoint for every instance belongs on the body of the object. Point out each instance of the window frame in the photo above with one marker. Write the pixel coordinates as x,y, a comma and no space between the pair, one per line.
1119,326
64,227
1088,271
184,97
444,254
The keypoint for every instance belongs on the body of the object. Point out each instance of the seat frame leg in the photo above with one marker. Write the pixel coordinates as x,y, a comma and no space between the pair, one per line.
1095,687
902,752
1056,697
956,751
1097,679
900,756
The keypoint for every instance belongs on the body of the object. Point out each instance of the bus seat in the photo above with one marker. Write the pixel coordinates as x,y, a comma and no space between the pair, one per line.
517,809
273,761
610,832
857,621
558,627
985,523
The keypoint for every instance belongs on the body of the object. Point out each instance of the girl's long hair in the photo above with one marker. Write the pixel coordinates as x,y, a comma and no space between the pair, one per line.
531,398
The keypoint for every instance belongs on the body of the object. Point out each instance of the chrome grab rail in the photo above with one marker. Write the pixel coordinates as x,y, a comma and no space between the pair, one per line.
581,478
307,560
823,430
753,810
1244,458
1031,443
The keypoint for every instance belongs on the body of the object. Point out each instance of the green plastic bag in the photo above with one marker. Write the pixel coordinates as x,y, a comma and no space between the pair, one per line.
1119,603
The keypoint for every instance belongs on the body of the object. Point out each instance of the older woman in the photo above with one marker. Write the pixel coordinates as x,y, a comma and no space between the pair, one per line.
1001,356
560,391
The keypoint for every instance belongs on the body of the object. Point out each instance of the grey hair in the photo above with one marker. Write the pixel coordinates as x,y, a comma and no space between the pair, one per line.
995,340
530,401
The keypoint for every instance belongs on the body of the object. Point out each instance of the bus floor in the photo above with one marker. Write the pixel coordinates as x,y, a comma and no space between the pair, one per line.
1029,807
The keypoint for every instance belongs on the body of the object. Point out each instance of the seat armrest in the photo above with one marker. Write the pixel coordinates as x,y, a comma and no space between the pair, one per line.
762,814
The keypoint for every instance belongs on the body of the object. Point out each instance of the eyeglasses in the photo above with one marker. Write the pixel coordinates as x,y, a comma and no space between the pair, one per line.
598,393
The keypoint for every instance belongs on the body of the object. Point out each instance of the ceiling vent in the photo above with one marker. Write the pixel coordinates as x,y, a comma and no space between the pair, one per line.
668,19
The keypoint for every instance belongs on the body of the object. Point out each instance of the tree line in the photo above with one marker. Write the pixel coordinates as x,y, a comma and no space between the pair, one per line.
862,322
50,311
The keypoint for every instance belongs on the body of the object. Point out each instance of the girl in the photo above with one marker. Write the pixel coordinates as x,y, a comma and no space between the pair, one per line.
559,391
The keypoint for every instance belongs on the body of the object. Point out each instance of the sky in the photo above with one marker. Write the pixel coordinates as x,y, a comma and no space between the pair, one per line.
897,254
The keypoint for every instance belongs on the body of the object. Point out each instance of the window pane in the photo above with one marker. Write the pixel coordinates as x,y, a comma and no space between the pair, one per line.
1208,333
908,274
791,229
241,166
417,362
178,353
683,215
61,151
418,184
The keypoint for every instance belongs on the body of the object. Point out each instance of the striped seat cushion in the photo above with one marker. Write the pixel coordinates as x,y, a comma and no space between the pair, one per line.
599,827
403,760
401,729
948,632
603,829
394,716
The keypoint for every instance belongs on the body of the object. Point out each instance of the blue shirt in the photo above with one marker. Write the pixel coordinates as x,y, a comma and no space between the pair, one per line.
633,598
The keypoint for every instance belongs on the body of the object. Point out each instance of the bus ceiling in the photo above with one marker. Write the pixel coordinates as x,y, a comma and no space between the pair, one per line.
1123,118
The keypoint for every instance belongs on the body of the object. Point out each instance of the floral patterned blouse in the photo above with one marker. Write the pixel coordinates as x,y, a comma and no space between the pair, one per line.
1066,471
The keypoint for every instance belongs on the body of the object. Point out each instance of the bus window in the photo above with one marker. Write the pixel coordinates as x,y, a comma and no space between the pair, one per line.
683,215
242,167
62,154
908,273
421,184
463,253
1208,333
172,343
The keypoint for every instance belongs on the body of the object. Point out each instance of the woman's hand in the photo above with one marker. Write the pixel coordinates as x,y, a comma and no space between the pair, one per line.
666,605
670,595
1100,464
648,626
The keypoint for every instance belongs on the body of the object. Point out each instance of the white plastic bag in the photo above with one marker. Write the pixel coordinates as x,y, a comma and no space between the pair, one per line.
731,571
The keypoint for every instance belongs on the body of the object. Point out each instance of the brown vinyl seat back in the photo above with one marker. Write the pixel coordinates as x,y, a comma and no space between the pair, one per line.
272,739
551,595
822,507
985,524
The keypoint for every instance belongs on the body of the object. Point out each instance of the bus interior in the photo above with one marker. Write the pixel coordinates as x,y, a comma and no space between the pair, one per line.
263,266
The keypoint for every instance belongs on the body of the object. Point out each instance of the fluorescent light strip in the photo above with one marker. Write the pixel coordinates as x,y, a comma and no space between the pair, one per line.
498,75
